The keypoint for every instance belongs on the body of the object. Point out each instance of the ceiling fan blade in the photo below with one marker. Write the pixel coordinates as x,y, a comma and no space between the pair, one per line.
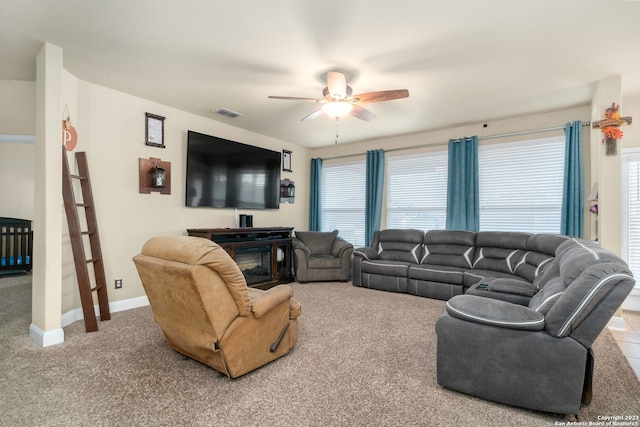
294,98
337,84
361,113
313,115
383,95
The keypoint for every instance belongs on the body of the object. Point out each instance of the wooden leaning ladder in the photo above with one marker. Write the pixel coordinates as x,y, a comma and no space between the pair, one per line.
77,241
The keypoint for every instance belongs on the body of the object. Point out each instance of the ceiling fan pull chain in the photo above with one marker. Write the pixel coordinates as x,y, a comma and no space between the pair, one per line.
337,121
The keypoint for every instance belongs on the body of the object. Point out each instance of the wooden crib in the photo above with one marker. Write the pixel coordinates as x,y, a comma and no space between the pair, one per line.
16,245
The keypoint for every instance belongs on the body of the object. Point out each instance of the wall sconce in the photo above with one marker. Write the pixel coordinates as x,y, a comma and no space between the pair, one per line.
158,177
154,175
287,191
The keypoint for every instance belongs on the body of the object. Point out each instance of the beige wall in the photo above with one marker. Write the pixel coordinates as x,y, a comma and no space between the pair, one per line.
17,117
17,165
17,107
630,106
111,129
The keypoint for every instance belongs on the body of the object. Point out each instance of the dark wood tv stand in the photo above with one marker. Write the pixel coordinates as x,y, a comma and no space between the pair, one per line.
265,255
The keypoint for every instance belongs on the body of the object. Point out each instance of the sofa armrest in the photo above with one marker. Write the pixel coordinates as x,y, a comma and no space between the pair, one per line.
270,299
297,244
495,313
366,253
340,246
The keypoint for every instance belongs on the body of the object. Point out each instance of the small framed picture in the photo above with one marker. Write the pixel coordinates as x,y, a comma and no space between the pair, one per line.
286,161
154,130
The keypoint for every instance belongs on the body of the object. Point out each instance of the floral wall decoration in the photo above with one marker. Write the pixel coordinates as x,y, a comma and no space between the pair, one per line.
610,128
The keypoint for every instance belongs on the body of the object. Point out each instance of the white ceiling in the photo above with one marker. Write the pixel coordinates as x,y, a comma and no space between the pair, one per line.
465,61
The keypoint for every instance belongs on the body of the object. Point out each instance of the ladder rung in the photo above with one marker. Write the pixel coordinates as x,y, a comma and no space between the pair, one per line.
96,288
78,177
87,233
83,205
92,260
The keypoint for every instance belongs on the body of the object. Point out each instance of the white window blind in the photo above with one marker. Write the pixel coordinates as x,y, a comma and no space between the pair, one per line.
343,200
631,210
417,191
520,185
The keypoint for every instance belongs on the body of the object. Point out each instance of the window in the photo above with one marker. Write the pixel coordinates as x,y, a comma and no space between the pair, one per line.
417,191
631,209
343,200
520,185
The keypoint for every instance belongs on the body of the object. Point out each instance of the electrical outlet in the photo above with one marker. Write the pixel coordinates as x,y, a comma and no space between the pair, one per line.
118,283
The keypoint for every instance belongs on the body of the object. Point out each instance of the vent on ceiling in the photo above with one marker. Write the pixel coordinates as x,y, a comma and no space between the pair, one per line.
226,112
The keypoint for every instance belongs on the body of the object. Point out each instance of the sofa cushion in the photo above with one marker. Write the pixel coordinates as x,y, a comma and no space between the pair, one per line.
499,251
437,273
540,251
324,261
400,245
455,248
385,267
506,285
473,276
545,243
549,269
318,242
516,291
548,295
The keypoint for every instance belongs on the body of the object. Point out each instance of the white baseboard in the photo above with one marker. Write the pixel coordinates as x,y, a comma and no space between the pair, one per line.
76,314
632,303
46,338
616,323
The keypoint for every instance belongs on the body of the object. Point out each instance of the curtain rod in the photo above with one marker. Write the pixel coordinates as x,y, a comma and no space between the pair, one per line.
480,138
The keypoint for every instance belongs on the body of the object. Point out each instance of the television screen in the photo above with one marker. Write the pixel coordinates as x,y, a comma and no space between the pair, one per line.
229,174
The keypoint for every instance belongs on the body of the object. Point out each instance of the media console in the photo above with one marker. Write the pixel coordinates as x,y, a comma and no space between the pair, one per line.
265,255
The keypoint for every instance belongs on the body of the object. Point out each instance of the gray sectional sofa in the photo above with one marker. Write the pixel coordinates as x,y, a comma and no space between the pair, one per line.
443,263
522,310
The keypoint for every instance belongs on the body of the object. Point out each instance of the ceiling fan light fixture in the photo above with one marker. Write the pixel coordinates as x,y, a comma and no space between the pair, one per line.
337,109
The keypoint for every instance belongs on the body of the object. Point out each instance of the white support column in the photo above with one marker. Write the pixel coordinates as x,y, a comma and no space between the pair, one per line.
608,175
46,304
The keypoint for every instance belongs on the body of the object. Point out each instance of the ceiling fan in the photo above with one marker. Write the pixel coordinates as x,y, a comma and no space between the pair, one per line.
338,99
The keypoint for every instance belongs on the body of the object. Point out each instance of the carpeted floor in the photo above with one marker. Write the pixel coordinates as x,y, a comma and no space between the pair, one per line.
363,358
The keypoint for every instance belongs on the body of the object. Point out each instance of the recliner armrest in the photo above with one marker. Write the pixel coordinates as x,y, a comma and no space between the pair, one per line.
366,253
495,313
270,299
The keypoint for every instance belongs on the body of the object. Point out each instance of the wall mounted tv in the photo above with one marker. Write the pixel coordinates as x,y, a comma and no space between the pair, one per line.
229,174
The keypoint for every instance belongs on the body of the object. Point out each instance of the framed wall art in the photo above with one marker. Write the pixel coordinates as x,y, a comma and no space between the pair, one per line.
154,130
286,161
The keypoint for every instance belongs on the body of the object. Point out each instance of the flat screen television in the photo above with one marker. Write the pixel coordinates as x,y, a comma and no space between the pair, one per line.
229,174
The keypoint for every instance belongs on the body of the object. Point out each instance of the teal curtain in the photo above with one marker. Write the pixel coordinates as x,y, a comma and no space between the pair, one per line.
315,196
572,219
373,198
463,207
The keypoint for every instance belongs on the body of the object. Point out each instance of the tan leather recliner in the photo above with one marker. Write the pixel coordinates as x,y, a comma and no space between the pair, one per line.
201,301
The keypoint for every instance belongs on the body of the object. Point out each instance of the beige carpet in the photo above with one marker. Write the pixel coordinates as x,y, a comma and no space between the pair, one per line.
363,358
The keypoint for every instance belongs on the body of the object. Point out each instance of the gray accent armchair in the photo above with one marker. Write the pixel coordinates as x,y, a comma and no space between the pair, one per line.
321,256
537,356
